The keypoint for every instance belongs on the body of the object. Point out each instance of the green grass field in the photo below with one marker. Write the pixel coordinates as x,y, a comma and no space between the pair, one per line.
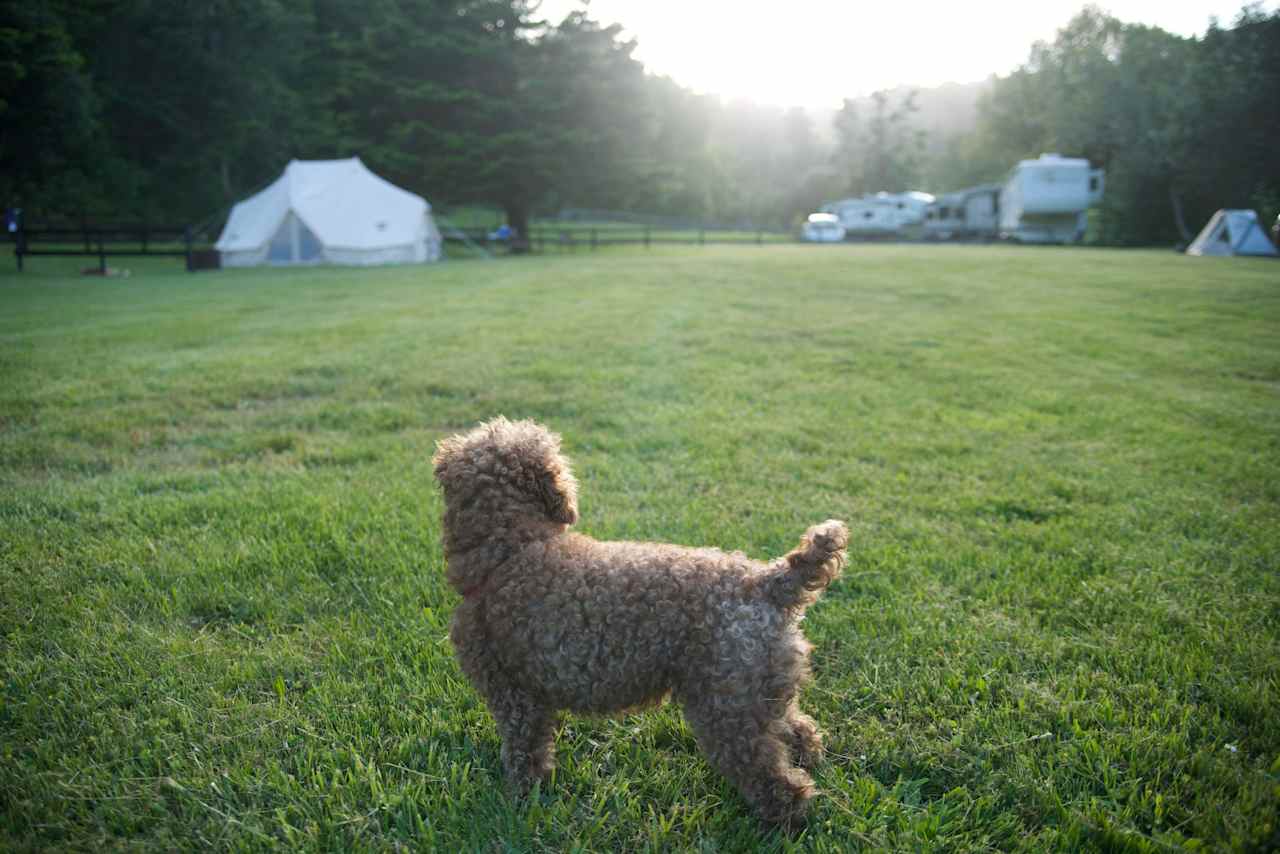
223,620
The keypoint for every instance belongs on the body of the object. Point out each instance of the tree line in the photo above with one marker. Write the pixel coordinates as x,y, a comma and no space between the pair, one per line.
1183,126
162,110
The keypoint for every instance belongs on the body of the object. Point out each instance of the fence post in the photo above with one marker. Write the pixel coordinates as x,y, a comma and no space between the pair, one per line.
21,246
646,237
144,237
102,256
702,236
593,239
186,236
760,237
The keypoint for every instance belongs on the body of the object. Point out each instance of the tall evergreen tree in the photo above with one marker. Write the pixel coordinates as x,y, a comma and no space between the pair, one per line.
49,113
198,102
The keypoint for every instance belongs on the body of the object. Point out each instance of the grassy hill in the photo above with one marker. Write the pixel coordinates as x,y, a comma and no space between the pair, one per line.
223,617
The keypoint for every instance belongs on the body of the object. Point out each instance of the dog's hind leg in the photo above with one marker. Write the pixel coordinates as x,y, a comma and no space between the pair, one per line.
751,749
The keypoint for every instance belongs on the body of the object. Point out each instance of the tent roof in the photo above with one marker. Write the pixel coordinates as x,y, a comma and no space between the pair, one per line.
341,201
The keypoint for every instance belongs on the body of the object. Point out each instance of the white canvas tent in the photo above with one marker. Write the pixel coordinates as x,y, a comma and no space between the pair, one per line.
330,212
1232,232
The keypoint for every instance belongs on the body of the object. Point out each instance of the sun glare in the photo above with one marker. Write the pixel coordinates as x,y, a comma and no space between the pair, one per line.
817,53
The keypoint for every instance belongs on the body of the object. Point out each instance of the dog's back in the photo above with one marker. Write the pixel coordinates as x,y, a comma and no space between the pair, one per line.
602,626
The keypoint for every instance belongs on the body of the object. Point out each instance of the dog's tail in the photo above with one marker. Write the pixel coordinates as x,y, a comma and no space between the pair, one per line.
800,576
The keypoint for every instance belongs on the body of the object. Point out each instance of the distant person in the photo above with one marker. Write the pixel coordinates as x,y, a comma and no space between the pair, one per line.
502,233
12,219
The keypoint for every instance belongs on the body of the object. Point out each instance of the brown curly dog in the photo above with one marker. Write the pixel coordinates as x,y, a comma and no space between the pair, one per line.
552,620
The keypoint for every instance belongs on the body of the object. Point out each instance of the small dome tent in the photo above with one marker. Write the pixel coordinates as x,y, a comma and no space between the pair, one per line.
1232,232
329,212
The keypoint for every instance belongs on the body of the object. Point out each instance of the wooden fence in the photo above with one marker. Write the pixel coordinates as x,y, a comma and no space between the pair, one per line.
103,242
106,241
544,238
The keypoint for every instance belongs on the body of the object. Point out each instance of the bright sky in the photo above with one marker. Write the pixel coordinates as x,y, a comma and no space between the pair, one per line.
814,53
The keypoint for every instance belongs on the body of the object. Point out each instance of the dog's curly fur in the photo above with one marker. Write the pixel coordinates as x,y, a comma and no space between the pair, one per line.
552,620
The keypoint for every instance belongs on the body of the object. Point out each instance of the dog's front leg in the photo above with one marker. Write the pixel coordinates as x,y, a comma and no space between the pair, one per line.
528,738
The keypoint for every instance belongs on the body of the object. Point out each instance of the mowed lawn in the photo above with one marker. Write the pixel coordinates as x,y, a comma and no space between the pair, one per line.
223,620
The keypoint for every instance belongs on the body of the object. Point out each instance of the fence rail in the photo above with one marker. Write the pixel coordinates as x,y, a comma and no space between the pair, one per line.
571,238
658,221
143,240
106,241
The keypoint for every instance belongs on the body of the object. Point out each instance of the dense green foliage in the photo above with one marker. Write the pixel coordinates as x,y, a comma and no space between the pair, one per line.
158,109
880,147
1182,126
222,607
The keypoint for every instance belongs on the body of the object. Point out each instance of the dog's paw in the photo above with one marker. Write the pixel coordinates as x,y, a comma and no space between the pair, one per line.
526,784
786,805
806,742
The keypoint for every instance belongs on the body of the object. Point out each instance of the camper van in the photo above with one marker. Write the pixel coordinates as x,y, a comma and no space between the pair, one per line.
882,214
1044,200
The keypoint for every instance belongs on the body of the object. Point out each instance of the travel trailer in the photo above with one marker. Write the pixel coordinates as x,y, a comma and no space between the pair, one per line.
944,219
1044,200
969,214
882,214
982,212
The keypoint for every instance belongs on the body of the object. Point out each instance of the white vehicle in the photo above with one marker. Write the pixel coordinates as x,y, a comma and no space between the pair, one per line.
822,228
944,219
982,212
911,206
881,214
1044,200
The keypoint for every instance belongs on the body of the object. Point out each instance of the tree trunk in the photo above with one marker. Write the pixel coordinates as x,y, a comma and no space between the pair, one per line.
518,219
1176,201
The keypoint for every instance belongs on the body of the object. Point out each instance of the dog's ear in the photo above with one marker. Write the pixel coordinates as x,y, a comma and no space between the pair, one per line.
560,496
445,451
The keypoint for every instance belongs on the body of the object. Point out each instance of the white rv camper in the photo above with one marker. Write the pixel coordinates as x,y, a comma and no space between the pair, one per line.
863,217
881,214
1044,200
911,206
944,219
982,212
